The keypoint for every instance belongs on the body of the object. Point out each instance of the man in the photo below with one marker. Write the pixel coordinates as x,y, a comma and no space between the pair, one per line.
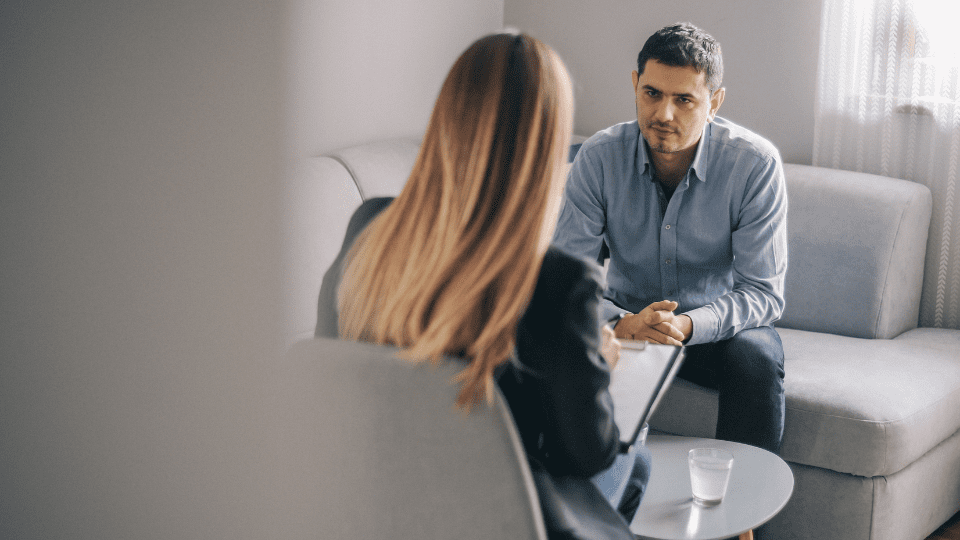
692,209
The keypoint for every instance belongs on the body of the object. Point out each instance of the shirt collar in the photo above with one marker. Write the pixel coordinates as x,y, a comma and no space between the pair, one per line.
699,165
643,155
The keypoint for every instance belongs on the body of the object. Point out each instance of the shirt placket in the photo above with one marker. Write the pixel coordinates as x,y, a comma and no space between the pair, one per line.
668,245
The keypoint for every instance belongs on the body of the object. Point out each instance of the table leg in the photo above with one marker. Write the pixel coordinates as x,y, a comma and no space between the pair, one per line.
746,536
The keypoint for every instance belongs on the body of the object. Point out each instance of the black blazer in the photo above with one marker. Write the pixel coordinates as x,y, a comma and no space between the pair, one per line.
556,385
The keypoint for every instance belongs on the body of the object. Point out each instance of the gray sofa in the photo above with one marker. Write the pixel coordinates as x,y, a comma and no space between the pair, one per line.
873,403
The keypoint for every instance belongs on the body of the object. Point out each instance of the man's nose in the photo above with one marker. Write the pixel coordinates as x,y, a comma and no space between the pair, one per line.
664,112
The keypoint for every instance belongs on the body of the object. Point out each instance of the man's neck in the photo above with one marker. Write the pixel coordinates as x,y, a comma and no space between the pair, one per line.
670,169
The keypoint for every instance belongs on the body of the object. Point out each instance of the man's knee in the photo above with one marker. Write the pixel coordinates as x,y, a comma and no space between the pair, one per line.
755,354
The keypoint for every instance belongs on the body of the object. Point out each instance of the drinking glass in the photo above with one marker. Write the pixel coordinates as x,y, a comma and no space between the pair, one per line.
709,474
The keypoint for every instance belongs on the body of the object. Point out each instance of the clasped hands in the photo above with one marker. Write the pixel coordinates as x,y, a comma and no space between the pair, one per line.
656,323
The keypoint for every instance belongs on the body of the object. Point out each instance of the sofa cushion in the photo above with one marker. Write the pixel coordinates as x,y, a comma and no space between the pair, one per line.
856,406
856,246
869,407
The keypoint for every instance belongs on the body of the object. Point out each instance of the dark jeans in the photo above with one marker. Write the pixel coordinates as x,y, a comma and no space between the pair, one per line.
747,370
626,480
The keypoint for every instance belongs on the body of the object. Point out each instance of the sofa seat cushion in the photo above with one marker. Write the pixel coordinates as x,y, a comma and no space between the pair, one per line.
869,407
858,406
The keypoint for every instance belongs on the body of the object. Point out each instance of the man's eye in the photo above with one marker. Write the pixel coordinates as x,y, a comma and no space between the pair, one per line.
684,100
652,93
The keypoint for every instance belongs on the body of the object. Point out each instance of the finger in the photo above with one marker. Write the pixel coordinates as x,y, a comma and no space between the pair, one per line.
653,335
674,342
665,339
653,318
664,305
670,330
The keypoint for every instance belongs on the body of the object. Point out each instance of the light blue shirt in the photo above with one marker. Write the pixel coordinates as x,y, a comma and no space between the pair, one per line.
718,247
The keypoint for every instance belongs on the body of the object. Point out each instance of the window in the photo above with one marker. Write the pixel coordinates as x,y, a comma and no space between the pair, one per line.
888,103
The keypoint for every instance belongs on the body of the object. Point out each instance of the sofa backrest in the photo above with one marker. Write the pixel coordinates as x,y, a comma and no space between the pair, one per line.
857,241
856,252
323,193
321,198
380,168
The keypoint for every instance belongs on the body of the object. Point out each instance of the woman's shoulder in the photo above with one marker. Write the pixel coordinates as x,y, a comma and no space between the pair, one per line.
363,215
566,281
566,267
370,209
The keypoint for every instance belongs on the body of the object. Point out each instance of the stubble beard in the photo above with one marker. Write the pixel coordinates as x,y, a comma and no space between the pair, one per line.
661,147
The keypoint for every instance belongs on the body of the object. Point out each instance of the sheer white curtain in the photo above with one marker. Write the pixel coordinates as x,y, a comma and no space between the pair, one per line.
888,102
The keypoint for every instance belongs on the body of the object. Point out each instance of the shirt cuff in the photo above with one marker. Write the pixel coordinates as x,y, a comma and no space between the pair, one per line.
706,326
610,312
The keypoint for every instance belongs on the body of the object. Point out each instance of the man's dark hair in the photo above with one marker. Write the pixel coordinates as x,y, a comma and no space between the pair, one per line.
681,45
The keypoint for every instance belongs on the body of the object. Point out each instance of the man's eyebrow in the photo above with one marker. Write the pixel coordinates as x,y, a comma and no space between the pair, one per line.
682,94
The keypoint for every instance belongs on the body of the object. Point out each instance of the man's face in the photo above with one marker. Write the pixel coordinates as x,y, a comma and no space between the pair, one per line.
673,105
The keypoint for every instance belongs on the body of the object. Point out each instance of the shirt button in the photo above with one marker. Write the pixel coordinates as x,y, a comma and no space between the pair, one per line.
667,261
667,227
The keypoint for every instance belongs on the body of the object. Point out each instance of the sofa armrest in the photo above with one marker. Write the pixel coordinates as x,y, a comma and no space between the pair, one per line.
857,245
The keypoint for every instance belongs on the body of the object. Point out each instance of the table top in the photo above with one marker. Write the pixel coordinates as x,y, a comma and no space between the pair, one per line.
760,486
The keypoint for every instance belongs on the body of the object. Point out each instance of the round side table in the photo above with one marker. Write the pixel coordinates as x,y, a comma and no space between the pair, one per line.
760,486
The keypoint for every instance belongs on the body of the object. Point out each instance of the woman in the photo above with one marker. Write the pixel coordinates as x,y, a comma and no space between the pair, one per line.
459,264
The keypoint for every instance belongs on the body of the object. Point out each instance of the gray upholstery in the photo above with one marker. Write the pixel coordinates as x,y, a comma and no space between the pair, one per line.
856,240
322,196
873,403
371,446
380,168
872,409
907,505
884,403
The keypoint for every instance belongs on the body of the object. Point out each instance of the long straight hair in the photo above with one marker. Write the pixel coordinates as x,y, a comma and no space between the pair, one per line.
450,266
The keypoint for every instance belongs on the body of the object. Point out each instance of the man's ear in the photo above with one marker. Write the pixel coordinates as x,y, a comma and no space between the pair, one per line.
636,80
716,101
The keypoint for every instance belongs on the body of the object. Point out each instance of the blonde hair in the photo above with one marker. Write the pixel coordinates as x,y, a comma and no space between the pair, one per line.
450,266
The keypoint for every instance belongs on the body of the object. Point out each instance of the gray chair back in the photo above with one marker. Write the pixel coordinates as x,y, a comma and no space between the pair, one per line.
372,446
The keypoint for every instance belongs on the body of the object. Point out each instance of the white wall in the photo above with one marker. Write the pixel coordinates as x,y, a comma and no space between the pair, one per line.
143,153
770,57
364,70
